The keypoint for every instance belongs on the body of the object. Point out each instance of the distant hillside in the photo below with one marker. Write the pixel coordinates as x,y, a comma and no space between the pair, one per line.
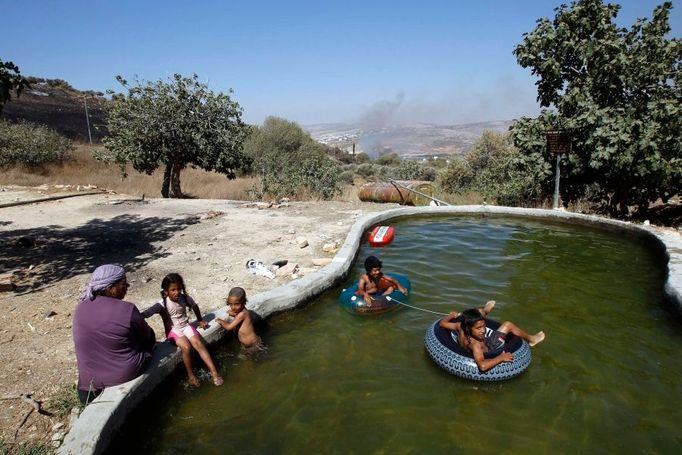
59,106
420,140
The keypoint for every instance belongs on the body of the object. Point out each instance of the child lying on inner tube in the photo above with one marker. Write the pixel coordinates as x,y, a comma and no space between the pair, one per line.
470,328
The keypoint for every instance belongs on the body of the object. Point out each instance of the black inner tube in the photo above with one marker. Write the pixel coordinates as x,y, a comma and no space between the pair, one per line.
511,344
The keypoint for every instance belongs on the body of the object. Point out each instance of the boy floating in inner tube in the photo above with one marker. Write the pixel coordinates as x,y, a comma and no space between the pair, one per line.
374,283
470,328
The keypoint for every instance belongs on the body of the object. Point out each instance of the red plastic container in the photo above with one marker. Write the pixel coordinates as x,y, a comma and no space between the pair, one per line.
381,236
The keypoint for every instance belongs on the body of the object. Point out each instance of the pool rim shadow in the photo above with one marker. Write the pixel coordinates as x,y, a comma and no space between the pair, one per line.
97,425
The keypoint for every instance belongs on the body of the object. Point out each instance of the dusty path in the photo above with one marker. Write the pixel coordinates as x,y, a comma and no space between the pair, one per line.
51,247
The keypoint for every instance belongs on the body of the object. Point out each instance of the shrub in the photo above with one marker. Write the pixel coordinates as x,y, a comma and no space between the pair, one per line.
30,145
341,155
413,170
389,159
346,177
366,170
495,169
362,158
287,159
59,83
457,177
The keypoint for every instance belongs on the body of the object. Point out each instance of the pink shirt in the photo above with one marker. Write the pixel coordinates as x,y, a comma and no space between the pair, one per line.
174,314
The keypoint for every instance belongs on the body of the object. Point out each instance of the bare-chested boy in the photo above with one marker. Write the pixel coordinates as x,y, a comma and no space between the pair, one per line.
374,283
471,335
241,322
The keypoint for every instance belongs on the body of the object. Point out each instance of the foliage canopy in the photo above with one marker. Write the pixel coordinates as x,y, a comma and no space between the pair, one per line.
494,169
29,145
288,159
617,92
10,80
176,124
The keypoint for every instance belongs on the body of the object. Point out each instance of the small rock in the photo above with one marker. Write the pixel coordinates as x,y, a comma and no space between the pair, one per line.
302,242
332,247
58,436
292,231
6,283
49,313
146,279
287,270
321,262
57,426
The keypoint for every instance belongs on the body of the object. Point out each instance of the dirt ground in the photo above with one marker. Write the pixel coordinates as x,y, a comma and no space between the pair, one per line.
51,247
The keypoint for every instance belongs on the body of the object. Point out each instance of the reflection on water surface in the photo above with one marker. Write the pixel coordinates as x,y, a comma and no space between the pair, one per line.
605,379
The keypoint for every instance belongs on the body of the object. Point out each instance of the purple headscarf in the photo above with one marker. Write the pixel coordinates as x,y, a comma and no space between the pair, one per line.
103,277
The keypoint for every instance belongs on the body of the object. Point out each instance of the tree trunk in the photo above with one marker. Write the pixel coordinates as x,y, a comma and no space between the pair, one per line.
166,181
622,203
175,190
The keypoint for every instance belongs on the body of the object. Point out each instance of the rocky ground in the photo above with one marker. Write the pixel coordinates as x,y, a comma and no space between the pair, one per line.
49,249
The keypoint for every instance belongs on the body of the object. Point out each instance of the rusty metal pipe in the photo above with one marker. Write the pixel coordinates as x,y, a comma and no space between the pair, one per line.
397,191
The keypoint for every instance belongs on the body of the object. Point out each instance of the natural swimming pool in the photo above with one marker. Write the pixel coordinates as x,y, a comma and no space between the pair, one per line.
606,378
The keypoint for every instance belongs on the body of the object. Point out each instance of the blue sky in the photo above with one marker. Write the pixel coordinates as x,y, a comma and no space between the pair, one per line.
311,62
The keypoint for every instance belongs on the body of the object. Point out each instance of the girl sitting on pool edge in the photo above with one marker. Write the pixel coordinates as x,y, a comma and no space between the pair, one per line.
471,335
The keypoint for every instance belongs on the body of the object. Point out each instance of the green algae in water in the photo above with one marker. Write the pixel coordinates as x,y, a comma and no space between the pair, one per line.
605,379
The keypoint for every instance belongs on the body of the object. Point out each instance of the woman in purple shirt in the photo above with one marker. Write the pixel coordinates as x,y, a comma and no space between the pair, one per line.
113,341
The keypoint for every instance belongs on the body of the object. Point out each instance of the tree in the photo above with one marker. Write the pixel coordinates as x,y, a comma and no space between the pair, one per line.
178,123
10,80
492,168
288,159
617,92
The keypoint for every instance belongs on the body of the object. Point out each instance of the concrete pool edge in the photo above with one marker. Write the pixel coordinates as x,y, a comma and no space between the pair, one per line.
99,421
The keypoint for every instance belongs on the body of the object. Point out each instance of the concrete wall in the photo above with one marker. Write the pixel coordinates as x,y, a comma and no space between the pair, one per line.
97,424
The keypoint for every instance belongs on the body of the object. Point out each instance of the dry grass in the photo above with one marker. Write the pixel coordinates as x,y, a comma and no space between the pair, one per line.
82,169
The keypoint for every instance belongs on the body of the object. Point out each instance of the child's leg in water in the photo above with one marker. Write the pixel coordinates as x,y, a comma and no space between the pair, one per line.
206,357
510,327
186,349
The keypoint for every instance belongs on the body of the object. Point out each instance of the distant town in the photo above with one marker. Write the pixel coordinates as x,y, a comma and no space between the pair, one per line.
415,141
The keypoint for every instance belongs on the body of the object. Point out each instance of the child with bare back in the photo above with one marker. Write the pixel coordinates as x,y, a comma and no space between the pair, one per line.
374,283
241,322
471,335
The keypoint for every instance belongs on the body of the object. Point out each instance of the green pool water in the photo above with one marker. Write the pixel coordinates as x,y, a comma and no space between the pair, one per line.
606,379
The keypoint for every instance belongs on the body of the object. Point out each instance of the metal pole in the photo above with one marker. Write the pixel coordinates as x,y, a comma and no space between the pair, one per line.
556,183
87,118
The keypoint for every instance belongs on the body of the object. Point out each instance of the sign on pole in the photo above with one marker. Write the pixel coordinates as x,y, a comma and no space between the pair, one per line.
558,143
